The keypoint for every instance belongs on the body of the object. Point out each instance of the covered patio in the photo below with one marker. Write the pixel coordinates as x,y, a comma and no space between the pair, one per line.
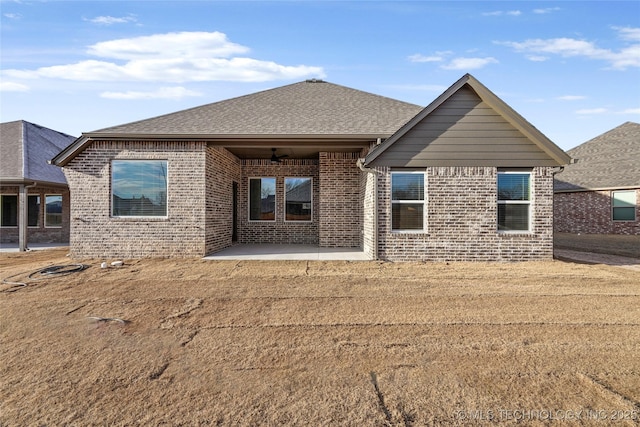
287,252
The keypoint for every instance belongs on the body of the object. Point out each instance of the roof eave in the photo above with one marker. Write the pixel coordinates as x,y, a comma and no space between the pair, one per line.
584,189
356,140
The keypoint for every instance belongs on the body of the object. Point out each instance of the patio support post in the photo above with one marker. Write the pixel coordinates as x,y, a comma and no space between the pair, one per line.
22,218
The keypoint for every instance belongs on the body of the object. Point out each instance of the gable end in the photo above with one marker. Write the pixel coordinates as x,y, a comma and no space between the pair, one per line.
467,126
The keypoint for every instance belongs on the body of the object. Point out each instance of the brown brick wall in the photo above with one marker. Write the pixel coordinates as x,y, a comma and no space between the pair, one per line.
278,231
589,212
340,207
95,234
462,219
41,233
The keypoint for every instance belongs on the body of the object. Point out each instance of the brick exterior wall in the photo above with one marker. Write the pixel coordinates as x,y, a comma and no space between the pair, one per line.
95,234
590,212
341,205
462,219
41,233
278,231
222,170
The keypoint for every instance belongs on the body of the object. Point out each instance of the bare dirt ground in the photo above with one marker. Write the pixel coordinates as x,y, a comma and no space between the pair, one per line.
318,343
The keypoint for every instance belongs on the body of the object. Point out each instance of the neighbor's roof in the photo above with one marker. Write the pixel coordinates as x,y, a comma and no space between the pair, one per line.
608,161
304,110
25,149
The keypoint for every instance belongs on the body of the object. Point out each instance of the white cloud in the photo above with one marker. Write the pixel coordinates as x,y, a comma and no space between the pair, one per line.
13,87
592,111
110,20
421,58
537,58
503,12
177,92
571,97
14,16
172,57
468,63
625,57
628,33
546,10
177,45
631,111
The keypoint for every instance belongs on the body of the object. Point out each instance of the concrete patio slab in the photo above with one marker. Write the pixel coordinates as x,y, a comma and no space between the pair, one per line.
288,252
14,247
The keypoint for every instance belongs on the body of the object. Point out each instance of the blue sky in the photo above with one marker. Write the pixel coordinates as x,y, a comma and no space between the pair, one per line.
571,68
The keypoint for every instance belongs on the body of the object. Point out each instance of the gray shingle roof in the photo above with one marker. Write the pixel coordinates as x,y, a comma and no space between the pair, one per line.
312,107
25,149
608,161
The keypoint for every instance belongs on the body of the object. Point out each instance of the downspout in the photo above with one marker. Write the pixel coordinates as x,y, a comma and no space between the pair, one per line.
23,215
363,168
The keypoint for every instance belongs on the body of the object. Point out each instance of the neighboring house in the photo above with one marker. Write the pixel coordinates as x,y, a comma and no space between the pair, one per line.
600,194
34,196
465,178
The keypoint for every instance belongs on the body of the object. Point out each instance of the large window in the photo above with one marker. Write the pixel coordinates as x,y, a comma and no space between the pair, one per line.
53,210
262,199
514,201
9,210
407,201
297,199
623,205
139,188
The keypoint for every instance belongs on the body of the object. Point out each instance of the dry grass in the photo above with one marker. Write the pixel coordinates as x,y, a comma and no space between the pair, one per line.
614,244
320,343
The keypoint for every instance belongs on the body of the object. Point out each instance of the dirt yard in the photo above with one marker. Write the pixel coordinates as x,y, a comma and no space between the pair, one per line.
193,342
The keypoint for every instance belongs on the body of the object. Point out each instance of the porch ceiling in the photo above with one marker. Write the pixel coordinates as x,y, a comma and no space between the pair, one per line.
292,149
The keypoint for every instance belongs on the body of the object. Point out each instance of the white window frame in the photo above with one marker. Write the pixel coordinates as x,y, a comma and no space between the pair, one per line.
413,202
528,203
285,200
635,205
275,199
45,210
141,217
17,211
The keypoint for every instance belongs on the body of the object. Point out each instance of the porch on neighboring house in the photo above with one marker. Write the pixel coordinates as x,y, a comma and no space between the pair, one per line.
282,252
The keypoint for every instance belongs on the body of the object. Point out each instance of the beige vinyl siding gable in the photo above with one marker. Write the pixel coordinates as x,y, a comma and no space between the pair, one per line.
464,131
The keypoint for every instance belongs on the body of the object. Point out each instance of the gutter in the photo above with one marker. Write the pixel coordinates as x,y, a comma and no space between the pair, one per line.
363,168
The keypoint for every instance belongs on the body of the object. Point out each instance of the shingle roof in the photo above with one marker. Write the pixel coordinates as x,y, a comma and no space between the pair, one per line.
608,161
312,107
25,149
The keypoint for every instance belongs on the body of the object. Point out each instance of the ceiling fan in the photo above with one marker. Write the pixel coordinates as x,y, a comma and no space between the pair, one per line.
275,158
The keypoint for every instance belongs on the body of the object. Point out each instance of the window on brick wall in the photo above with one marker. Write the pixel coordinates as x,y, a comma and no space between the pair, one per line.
407,201
53,210
262,199
514,201
9,210
139,188
33,211
623,205
297,199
